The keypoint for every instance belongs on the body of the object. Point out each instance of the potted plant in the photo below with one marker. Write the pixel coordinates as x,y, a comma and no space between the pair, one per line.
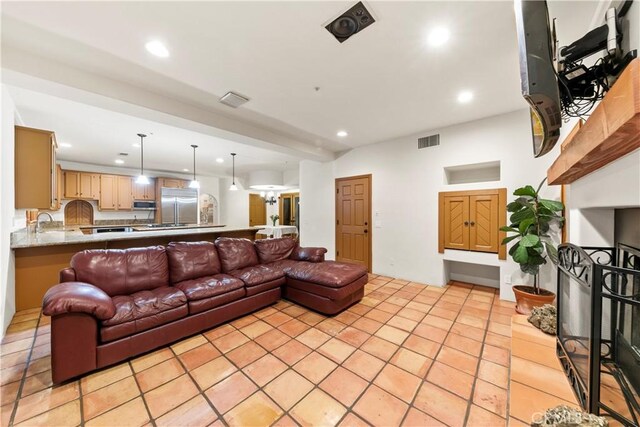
531,220
274,218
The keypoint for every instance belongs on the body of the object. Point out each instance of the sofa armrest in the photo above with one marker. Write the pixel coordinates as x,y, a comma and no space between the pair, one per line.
78,297
308,254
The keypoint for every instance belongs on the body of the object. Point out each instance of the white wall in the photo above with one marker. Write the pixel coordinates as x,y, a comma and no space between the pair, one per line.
405,186
7,274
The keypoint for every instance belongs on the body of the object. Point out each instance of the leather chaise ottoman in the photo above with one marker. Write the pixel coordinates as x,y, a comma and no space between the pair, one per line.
328,287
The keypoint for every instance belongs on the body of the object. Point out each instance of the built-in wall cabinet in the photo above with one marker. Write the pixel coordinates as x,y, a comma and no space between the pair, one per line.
145,191
471,220
116,192
36,176
81,185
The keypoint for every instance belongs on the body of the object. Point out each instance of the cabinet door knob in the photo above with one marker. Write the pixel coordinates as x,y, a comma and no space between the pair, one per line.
366,231
466,223
473,223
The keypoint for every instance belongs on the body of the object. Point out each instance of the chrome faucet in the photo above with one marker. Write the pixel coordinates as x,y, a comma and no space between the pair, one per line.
38,220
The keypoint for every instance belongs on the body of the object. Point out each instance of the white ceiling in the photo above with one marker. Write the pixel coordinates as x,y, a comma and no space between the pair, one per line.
383,83
97,136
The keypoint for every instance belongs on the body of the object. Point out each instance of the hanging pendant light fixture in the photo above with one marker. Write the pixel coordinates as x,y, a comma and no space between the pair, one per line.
194,183
233,187
142,179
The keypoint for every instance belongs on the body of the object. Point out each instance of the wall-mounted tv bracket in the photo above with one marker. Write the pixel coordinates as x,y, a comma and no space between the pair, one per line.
581,86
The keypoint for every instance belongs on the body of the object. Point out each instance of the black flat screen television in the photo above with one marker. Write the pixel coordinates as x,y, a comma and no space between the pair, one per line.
537,73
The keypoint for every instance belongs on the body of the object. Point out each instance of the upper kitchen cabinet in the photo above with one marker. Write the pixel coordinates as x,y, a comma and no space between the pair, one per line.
81,185
172,183
144,191
35,169
125,192
116,193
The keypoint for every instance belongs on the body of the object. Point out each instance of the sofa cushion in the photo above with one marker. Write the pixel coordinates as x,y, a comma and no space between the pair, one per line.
270,250
205,287
144,310
257,274
191,260
122,271
328,273
127,329
205,304
236,253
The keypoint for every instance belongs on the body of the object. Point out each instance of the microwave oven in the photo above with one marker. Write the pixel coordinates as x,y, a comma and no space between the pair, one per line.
146,205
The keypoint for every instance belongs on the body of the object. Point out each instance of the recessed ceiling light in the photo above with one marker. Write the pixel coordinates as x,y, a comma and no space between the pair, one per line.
438,36
342,133
185,170
465,96
65,145
157,48
119,161
219,160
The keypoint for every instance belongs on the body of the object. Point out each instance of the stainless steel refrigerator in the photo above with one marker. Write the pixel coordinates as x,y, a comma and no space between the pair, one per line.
179,206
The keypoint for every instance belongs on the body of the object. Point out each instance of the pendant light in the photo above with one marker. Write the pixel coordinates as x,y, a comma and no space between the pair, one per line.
194,183
233,187
142,179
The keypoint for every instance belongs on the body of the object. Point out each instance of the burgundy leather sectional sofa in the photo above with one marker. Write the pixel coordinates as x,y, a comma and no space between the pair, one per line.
115,304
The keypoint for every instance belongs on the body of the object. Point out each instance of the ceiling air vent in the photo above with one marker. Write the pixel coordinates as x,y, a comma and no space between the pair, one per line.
233,99
429,141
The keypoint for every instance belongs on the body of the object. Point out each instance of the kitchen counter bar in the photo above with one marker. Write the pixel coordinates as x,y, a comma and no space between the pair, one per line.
40,257
54,237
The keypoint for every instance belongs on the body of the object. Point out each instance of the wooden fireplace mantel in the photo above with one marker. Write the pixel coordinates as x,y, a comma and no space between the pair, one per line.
612,131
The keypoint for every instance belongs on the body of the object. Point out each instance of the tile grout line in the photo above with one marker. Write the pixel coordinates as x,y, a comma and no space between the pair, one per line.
24,374
144,401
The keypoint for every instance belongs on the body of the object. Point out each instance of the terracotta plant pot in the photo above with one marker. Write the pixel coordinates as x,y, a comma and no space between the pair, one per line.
526,299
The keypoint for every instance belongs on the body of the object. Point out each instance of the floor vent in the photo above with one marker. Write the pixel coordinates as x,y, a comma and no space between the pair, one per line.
233,100
428,141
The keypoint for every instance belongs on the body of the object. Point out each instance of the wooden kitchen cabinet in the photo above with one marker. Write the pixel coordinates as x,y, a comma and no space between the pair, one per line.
35,169
144,191
125,192
81,185
172,183
108,193
116,193
471,220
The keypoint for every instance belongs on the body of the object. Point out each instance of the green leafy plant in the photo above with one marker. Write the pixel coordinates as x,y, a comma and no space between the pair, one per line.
531,220
274,218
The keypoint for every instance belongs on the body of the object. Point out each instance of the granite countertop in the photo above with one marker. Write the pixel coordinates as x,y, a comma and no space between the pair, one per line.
73,235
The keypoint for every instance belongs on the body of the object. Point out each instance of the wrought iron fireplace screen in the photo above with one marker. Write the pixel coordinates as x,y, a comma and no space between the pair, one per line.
599,327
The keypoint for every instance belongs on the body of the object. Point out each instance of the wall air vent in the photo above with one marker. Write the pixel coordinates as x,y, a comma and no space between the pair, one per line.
233,99
429,141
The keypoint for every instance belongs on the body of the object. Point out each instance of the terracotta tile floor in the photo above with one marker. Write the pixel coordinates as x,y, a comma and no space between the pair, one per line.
407,354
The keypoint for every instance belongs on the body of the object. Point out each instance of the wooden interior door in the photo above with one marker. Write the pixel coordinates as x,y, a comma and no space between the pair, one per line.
257,210
483,223
456,222
353,220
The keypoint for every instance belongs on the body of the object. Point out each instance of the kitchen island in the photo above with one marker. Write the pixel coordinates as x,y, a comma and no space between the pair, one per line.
39,257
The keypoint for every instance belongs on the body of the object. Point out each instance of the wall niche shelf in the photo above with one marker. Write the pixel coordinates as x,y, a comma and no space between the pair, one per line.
612,131
472,173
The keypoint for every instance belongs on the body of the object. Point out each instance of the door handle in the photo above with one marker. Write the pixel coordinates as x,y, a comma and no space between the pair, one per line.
466,223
